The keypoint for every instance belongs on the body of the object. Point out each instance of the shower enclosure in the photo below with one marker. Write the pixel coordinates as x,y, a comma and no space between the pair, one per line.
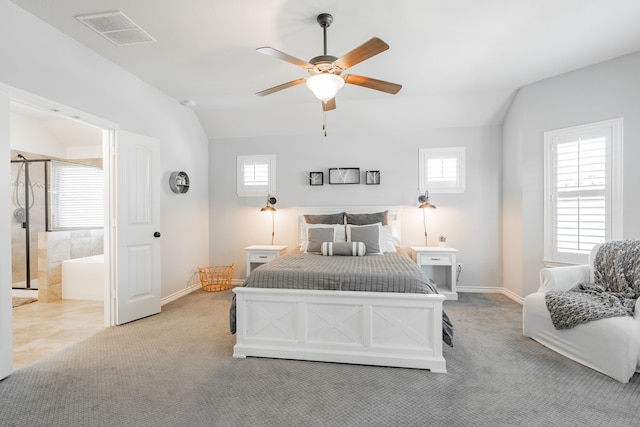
49,195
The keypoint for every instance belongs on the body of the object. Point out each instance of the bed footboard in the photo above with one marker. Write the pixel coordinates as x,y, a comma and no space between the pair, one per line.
368,328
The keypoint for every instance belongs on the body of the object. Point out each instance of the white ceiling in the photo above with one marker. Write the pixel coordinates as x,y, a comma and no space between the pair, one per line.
459,61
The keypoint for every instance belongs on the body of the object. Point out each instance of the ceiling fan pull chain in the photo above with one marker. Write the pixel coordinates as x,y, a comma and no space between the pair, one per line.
324,123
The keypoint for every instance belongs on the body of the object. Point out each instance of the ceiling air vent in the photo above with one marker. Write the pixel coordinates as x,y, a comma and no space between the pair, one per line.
116,27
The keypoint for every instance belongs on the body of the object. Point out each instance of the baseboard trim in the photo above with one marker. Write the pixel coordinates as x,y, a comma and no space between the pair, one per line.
174,296
462,289
491,290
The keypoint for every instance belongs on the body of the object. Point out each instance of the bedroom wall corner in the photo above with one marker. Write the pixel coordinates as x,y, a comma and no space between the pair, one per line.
599,92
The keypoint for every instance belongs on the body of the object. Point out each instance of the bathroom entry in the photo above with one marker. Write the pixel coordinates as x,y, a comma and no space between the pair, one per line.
58,213
132,214
56,196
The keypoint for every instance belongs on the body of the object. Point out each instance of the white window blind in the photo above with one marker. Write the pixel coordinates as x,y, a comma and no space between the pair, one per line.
442,170
582,192
581,172
76,196
256,175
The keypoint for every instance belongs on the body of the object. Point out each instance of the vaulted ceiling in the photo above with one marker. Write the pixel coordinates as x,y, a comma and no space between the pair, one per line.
459,61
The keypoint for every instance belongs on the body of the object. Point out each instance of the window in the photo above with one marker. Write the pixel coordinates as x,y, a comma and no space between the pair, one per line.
256,175
76,196
583,184
442,170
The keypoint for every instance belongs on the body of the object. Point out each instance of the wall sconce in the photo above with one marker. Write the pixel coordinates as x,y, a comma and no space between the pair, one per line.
423,199
269,208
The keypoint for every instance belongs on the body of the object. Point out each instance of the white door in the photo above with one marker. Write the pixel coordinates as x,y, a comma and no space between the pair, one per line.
137,227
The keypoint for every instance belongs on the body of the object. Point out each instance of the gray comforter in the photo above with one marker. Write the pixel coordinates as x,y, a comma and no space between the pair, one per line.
391,272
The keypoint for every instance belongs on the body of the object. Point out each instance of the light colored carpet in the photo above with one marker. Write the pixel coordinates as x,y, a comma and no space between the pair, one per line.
176,369
18,301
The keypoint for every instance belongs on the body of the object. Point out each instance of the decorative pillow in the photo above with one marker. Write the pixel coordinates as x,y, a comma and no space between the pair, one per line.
343,249
367,234
340,235
387,242
366,219
317,236
336,218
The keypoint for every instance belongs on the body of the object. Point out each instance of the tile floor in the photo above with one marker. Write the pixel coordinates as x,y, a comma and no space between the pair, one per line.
41,329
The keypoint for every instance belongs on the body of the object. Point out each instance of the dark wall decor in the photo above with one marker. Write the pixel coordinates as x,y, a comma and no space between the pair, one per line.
372,177
179,182
344,175
316,178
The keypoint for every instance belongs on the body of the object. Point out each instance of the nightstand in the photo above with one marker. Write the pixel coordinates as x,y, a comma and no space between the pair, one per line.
262,254
440,265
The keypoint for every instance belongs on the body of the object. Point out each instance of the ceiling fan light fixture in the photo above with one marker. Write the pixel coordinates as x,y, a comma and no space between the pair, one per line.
325,86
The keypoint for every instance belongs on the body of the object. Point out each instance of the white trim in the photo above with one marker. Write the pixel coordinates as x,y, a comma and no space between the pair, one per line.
182,292
491,290
614,192
192,288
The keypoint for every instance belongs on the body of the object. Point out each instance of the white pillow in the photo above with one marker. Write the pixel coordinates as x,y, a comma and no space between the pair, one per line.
367,234
388,243
339,233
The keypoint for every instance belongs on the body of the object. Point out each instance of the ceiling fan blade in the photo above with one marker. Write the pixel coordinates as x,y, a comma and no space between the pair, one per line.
284,56
280,87
329,105
361,53
370,83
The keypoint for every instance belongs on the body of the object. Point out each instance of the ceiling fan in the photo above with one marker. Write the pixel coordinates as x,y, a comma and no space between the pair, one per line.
326,77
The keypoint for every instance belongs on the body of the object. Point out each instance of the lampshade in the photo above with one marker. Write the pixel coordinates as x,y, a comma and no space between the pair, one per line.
270,202
423,199
325,86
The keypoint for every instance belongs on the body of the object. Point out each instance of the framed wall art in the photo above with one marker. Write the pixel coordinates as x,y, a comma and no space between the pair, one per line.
316,178
372,177
344,175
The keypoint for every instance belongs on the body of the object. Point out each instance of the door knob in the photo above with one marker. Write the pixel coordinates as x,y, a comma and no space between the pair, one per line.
156,234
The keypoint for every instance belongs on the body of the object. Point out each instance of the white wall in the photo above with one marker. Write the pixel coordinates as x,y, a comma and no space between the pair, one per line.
600,92
40,60
470,220
29,135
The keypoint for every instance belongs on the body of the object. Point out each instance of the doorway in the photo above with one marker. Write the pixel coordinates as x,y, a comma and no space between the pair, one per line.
132,285
47,150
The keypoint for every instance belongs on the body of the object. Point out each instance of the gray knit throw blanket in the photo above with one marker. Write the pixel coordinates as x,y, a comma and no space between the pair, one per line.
614,292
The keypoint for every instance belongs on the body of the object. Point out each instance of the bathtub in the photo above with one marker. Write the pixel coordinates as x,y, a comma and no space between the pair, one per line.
83,278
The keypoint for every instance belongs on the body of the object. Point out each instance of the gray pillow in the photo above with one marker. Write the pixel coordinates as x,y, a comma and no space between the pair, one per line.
316,236
369,235
343,249
365,219
336,218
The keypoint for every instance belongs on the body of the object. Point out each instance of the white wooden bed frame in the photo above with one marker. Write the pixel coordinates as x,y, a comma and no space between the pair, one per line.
369,328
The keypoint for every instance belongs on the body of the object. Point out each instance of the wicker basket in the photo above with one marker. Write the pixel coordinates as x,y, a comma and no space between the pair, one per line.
216,278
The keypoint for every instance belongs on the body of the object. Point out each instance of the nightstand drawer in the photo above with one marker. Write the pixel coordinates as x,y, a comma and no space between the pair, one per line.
439,259
263,257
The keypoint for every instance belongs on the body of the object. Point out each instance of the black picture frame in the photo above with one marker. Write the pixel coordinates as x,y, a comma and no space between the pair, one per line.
372,177
316,178
344,175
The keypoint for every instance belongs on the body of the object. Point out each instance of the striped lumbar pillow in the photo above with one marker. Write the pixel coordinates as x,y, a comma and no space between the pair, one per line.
343,249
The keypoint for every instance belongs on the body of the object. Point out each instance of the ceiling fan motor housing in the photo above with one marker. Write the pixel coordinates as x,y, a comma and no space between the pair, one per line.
325,19
324,64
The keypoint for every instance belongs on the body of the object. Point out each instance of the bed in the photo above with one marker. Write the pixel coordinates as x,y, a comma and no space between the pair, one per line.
374,310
